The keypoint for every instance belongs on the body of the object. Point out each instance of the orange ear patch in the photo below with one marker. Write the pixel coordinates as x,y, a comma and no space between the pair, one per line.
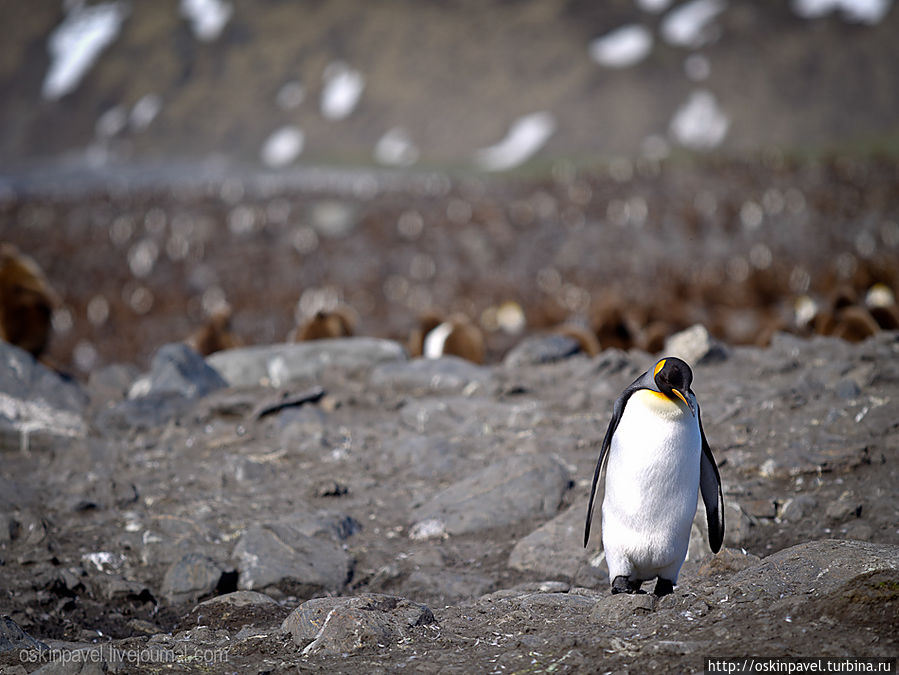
659,366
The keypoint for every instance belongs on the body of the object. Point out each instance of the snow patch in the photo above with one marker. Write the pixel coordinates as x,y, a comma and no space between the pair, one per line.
653,6
869,12
342,90
395,148
699,124
625,46
145,111
525,137
690,25
208,18
112,122
282,147
77,42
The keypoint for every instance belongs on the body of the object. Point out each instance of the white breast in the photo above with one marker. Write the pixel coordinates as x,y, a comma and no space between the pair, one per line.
652,483
435,340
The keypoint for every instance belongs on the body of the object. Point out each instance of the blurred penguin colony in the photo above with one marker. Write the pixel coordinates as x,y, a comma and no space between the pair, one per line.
621,260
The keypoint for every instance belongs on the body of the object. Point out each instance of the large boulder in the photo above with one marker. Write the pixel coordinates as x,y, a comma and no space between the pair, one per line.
506,492
280,364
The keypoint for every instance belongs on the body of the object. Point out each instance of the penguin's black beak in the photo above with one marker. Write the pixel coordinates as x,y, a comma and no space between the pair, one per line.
686,399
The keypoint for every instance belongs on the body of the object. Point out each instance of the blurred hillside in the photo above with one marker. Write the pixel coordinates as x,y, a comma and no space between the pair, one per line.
211,79
159,159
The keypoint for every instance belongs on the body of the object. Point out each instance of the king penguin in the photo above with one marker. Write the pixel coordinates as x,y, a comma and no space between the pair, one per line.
656,458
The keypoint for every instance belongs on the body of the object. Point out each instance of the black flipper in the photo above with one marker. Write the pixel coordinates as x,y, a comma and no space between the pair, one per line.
617,411
710,488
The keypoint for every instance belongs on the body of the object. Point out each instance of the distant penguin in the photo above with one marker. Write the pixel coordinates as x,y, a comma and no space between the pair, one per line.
326,324
656,459
854,324
456,336
26,302
585,337
881,302
215,335
613,324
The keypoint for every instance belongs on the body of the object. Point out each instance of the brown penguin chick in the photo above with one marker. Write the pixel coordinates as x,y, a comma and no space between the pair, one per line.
325,324
585,337
426,323
215,335
825,322
26,302
881,302
769,325
854,324
653,335
843,296
612,326
456,336
886,316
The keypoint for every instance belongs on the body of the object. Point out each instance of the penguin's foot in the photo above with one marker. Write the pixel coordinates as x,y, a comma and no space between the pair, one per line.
663,587
623,584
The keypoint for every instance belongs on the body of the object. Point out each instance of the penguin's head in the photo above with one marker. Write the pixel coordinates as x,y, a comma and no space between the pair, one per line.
673,378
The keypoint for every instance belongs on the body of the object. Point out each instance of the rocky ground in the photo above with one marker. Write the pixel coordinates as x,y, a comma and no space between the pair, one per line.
336,507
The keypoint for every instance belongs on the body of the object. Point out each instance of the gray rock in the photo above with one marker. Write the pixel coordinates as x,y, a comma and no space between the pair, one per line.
82,662
304,429
332,524
696,346
165,540
504,493
178,376
176,369
38,408
620,609
110,384
425,456
235,599
117,588
539,602
346,625
23,528
540,349
15,494
858,530
738,524
847,505
13,637
191,577
237,609
796,508
726,562
847,389
280,364
445,587
446,374
818,567
469,416
555,549
144,412
23,378
279,555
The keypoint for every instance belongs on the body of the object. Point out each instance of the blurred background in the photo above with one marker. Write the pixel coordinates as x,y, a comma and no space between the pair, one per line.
636,166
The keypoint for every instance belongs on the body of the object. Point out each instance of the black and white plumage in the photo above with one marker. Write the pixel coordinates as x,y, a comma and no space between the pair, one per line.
656,458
